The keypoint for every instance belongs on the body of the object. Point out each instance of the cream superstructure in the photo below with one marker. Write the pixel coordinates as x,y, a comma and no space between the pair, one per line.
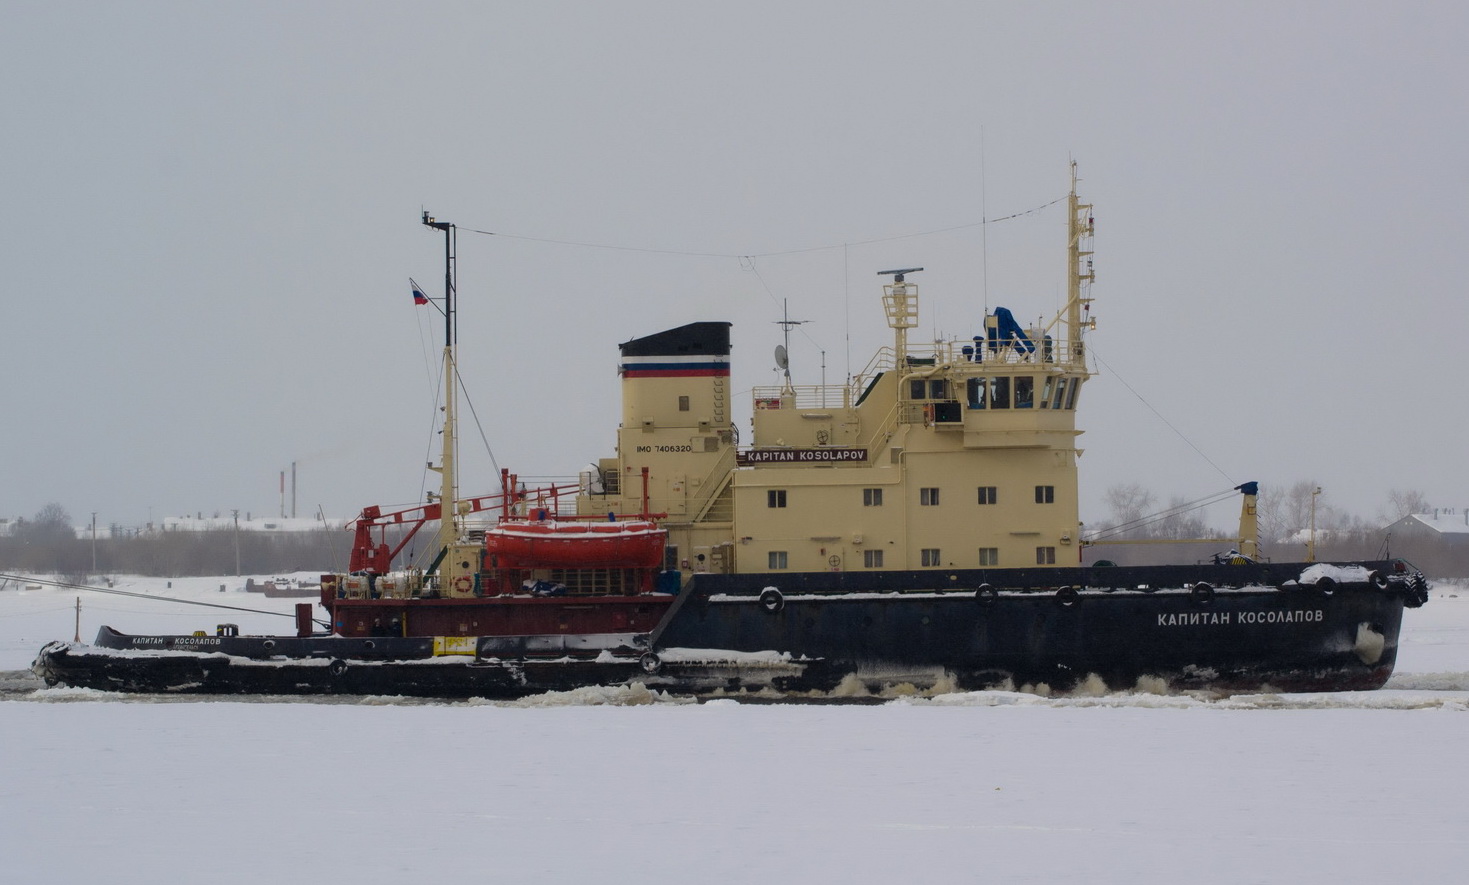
958,454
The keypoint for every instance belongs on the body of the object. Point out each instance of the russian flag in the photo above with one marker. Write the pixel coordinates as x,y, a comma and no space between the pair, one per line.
418,296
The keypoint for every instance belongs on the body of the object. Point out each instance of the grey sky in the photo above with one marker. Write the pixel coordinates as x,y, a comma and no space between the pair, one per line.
212,213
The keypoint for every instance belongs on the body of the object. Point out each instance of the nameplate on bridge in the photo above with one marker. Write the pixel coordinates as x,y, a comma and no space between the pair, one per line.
800,456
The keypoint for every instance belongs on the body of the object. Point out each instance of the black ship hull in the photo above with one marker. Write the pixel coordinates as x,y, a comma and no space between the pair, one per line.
1224,628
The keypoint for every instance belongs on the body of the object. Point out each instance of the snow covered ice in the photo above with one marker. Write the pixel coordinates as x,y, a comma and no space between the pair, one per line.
629,785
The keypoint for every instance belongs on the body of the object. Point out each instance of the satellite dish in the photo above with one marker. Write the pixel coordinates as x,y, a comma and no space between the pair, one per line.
781,361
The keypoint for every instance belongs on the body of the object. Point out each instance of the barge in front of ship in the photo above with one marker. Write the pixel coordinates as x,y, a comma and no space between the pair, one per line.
919,524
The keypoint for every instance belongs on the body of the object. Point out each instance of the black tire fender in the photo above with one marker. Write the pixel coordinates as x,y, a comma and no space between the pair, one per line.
1201,593
986,595
1068,596
772,600
337,667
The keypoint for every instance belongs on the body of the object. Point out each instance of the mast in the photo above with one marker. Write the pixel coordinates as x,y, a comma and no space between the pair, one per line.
900,302
448,487
1080,227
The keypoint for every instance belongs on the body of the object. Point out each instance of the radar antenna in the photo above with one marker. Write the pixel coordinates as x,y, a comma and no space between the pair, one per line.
900,301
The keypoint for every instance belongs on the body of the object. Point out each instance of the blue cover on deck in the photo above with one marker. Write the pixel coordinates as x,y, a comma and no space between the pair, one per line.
1007,330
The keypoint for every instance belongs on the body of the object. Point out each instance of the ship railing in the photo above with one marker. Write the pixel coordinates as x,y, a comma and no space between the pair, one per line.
920,360
959,352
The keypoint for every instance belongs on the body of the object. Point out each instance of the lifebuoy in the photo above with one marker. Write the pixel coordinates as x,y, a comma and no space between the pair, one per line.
464,584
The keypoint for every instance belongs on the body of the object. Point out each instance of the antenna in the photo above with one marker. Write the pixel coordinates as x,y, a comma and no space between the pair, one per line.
783,351
899,274
900,303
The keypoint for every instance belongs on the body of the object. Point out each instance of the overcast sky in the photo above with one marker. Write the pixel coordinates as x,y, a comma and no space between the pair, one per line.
212,212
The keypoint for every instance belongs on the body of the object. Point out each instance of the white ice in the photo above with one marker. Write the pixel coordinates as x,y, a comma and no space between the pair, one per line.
627,785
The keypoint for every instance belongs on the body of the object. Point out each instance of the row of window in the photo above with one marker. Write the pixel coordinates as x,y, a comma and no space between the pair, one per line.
927,497
929,557
1002,393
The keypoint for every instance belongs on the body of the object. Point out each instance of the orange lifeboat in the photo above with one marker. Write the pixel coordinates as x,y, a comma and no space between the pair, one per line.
555,544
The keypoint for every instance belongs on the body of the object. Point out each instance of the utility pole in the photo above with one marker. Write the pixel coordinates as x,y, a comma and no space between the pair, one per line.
94,544
1311,547
237,542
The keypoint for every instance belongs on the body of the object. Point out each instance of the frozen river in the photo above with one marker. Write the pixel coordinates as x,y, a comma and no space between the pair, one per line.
622,786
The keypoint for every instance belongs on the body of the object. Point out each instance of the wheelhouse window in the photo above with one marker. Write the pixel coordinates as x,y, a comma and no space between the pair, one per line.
775,498
872,559
930,557
974,392
778,559
1071,396
1045,556
872,498
1024,392
989,556
1045,494
989,494
999,393
928,497
1058,399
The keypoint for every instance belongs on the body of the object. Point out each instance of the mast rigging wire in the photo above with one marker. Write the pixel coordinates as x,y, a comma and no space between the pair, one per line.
693,254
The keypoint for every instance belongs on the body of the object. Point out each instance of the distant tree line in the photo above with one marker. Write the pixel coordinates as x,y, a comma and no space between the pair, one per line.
1285,518
48,544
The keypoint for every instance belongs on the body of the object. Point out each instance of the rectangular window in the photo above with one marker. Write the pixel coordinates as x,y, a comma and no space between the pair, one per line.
1046,393
1059,399
975,388
989,556
872,498
872,558
916,389
775,498
988,494
1071,397
683,404
938,390
1043,495
928,497
778,559
1000,393
1045,556
931,557
1024,392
